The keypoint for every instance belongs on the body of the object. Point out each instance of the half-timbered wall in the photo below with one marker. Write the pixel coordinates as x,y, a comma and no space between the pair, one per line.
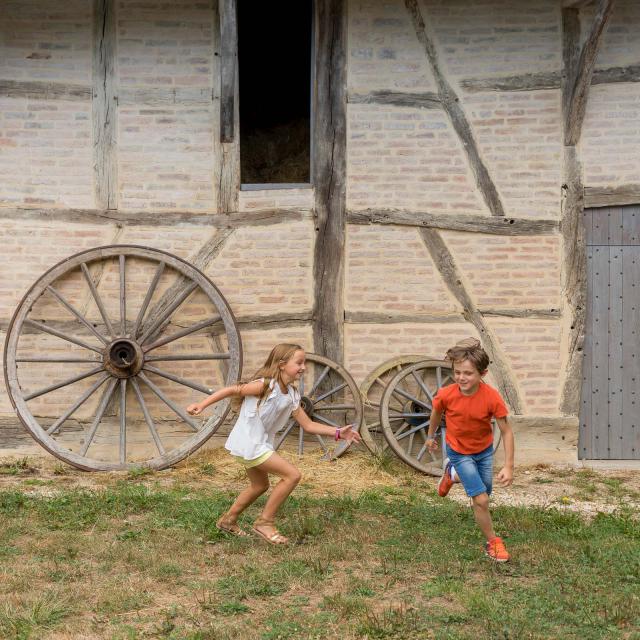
454,156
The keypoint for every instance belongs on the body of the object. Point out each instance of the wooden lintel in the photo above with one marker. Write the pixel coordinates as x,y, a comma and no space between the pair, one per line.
612,196
329,176
456,222
104,105
40,90
523,82
578,83
424,100
373,317
164,96
228,64
538,314
156,218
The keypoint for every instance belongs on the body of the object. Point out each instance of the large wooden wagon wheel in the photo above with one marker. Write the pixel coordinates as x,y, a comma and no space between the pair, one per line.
405,412
371,390
107,348
329,395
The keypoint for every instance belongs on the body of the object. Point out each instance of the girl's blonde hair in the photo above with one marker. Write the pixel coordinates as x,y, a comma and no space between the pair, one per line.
270,370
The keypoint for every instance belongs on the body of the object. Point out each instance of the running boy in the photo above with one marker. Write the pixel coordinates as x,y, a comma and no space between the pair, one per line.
469,405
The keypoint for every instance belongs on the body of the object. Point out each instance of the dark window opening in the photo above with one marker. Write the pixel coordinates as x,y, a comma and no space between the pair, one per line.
274,57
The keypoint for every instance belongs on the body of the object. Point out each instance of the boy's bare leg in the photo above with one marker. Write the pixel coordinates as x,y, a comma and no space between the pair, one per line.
482,515
289,478
259,480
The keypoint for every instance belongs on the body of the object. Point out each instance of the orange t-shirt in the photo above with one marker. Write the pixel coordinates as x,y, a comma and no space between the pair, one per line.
468,418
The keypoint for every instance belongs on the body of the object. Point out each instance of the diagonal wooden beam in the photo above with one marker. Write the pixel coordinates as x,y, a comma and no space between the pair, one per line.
452,277
451,104
580,79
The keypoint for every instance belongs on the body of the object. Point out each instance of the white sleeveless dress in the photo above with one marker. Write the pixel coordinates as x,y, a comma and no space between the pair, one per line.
254,432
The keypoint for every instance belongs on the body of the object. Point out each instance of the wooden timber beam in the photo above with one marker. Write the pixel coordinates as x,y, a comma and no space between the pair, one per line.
580,80
451,104
574,259
40,90
154,218
456,222
374,317
228,66
423,100
329,176
105,105
611,196
522,82
454,281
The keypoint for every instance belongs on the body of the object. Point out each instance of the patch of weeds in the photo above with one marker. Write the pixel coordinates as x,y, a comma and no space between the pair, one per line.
252,582
169,570
139,473
392,622
121,601
128,534
31,619
539,480
361,588
208,469
19,467
60,469
343,606
12,502
231,608
442,585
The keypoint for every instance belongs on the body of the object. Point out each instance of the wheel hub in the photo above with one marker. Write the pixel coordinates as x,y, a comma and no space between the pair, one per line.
123,358
307,405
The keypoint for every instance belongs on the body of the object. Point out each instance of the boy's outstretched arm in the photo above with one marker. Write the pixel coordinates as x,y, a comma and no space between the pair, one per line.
250,389
505,476
436,416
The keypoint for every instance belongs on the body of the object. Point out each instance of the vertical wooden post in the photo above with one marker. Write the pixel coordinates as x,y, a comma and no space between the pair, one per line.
225,88
104,105
329,177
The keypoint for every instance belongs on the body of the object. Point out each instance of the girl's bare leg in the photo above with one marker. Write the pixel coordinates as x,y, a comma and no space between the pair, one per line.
289,478
259,483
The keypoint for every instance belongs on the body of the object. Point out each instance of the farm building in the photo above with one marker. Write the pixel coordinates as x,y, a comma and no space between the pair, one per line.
369,178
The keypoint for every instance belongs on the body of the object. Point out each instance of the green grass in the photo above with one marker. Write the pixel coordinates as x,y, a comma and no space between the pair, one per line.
138,560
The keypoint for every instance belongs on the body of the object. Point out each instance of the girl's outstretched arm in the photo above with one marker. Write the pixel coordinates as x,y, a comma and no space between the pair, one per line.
343,433
249,389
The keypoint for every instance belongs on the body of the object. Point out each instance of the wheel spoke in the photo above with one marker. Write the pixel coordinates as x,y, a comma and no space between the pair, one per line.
77,314
102,407
178,379
327,421
334,407
123,297
181,334
422,385
300,440
200,356
321,377
123,419
80,401
90,360
422,425
60,334
147,299
322,443
422,403
422,451
96,297
172,405
164,315
411,415
64,383
330,393
147,416
285,433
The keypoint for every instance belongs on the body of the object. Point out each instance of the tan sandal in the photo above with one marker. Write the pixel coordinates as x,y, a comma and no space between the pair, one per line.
230,527
274,538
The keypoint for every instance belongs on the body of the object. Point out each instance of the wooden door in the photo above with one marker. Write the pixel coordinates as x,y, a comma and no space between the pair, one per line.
610,402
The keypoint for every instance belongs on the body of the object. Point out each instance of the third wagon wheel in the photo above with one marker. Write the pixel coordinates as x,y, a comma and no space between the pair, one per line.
405,411
107,349
371,389
329,396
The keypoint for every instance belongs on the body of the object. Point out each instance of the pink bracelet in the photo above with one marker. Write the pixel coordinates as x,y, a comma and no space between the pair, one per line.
337,434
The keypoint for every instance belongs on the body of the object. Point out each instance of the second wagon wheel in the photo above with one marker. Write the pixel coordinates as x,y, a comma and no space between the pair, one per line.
371,389
329,395
107,348
405,411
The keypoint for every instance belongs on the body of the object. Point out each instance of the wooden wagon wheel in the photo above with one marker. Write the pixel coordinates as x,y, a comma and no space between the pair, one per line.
329,395
371,390
125,325
405,412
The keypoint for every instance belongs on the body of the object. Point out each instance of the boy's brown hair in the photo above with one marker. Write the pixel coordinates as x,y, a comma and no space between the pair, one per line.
469,349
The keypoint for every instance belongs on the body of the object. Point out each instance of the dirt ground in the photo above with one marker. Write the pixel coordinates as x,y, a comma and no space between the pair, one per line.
582,490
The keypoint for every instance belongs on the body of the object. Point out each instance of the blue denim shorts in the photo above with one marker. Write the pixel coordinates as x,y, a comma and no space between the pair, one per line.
475,470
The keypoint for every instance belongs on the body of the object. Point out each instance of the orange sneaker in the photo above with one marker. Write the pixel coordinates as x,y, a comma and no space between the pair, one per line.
445,483
496,550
